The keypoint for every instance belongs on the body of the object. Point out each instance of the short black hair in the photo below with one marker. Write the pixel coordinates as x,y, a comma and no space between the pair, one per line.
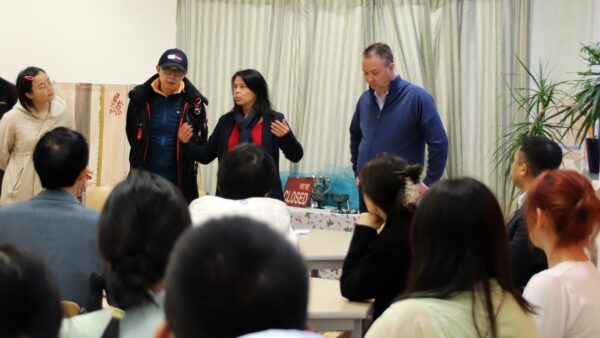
246,171
234,276
29,298
139,224
24,85
540,153
382,50
59,157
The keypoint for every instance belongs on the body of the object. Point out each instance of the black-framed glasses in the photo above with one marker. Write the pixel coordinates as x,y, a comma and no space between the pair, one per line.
174,72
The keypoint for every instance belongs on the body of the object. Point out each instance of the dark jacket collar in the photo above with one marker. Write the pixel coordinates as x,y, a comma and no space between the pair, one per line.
144,91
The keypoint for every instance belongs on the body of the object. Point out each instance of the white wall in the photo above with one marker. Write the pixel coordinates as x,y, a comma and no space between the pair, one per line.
558,28
99,41
119,41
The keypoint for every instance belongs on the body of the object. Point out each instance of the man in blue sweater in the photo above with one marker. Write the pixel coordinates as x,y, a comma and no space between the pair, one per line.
397,117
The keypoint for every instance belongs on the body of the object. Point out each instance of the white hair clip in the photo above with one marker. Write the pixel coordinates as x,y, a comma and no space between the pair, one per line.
411,192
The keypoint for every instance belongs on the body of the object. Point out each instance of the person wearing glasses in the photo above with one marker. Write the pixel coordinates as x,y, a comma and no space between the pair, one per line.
38,111
157,110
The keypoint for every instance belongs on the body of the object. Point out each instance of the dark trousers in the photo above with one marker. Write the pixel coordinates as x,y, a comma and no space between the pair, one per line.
362,207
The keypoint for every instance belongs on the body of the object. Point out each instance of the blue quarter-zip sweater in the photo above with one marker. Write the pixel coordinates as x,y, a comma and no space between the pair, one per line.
407,121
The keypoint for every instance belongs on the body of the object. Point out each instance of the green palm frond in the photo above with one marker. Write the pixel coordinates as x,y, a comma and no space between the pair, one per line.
537,108
583,114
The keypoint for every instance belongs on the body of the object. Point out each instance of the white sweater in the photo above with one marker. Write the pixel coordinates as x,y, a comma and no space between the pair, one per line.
568,300
271,211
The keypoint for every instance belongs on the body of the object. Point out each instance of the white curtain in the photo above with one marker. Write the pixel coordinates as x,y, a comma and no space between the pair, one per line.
309,51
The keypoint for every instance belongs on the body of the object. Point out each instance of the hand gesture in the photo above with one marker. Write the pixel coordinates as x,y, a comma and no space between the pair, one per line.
280,128
185,133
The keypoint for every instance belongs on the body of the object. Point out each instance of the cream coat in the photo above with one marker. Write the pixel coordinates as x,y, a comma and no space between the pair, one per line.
20,131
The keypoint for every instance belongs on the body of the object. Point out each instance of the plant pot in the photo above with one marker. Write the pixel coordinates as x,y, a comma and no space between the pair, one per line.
592,149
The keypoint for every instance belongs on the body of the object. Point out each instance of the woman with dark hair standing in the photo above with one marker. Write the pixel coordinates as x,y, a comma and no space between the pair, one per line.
252,120
29,297
38,111
562,213
139,224
460,281
379,255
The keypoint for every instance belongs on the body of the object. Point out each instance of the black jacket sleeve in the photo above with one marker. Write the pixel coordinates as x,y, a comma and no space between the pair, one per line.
360,269
355,138
132,122
208,151
292,149
526,260
376,265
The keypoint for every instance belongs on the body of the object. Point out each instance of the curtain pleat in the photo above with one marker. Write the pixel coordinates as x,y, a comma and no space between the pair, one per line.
462,52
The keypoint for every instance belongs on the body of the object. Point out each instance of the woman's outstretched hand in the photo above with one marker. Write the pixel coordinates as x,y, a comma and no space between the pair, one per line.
280,128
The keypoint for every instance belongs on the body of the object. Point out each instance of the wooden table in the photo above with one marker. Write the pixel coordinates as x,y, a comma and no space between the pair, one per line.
329,311
324,249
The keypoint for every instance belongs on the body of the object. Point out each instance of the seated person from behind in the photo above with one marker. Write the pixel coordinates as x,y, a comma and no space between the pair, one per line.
245,180
53,224
379,255
29,298
140,222
235,276
562,213
459,283
535,155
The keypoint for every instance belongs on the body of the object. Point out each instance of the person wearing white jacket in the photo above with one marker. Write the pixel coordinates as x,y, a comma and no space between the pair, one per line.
270,211
39,110
244,182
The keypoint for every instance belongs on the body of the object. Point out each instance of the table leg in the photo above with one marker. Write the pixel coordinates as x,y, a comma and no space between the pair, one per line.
357,330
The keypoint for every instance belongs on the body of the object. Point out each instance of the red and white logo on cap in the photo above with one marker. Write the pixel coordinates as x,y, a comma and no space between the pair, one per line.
175,57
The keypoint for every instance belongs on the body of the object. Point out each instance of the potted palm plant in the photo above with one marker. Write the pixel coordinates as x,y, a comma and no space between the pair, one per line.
583,114
538,107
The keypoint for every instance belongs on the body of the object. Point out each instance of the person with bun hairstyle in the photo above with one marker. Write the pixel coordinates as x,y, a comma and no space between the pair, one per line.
562,213
29,297
379,255
139,224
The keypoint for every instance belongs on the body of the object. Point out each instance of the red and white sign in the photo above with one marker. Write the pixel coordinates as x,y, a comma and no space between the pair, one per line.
297,191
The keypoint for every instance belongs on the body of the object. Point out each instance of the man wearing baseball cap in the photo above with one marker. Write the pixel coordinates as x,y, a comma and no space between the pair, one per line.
156,111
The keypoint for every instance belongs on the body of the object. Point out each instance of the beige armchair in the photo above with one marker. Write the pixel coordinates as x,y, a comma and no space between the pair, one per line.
96,196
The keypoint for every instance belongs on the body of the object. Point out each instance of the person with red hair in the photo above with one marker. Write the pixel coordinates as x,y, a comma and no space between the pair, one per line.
562,213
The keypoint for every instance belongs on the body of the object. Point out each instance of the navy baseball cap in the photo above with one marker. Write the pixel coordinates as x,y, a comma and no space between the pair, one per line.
174,57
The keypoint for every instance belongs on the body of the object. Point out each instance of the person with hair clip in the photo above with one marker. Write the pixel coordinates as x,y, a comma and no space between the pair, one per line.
562,213
29,298
139,224
252,120
460,282
38,111
379,255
